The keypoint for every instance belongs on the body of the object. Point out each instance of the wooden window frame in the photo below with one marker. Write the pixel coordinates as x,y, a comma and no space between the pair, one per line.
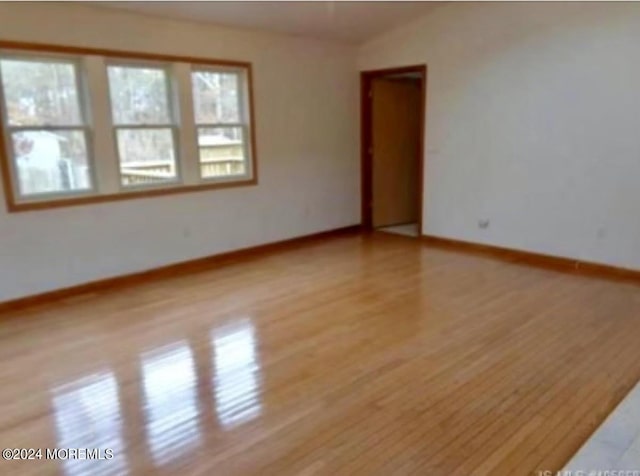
15,204
173,124
84,127
243,123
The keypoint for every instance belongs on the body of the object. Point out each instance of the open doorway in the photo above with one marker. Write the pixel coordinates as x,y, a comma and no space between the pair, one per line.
393,110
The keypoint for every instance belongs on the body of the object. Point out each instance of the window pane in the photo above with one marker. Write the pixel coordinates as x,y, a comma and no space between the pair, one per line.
146,156
40,93
215,97
221,151
139,95
51,162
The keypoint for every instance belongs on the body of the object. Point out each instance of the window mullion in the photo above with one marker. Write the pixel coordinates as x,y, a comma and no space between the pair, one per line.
188,153
143,126
243,105
106,173
79,127
246,147
220,125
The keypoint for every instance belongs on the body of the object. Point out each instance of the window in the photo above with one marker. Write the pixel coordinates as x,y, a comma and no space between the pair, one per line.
143,122
219,111
82,125
45,126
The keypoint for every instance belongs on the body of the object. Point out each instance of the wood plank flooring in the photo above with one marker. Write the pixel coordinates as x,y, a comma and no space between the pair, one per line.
356,355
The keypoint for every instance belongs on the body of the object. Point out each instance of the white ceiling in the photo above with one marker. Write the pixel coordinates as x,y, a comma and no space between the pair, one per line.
352,22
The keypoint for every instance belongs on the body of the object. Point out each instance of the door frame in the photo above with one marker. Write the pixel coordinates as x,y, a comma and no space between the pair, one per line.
366,139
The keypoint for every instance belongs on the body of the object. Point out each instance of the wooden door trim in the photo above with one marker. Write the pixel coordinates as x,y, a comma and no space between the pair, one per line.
366,169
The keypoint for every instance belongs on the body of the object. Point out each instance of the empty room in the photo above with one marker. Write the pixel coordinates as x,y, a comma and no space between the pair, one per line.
320,238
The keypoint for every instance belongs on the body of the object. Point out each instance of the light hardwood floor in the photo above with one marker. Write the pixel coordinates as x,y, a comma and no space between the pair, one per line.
363,354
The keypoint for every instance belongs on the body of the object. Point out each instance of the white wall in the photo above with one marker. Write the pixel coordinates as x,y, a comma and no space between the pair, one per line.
307,143
533,122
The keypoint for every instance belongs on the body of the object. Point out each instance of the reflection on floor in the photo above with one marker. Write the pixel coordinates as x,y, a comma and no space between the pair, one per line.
356,355
407,229
615,446
88,412
236,382
87,415
170,400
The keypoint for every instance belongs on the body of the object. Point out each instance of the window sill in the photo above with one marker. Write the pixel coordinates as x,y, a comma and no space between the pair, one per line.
27,206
